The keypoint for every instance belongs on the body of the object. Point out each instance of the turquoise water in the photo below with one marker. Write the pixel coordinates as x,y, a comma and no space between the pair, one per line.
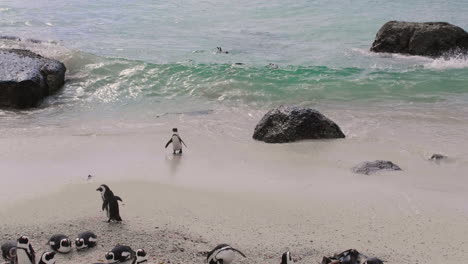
150,53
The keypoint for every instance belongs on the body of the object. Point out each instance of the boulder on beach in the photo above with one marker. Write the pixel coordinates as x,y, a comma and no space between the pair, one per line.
291,123
26,78
370,167
431,39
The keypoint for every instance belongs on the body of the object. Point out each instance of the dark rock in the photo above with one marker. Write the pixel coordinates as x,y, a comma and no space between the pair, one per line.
438,157
26,78
370,167
431,39
291,123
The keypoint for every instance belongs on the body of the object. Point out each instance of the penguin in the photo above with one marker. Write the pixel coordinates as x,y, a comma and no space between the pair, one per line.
85,240
9,252
286,258
176,142
141,257
119,254
24,251
373,261
222,254
220,50
60,243
110,203
47,258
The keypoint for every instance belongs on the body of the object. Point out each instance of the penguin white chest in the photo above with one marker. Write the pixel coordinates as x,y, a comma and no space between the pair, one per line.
226,255
23,257
176,144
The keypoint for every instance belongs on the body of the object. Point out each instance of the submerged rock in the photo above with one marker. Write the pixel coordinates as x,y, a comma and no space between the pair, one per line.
431,39
370,167
26,78
291,123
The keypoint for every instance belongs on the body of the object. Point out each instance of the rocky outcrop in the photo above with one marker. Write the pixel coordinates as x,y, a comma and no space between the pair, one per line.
431,39
26,78
370,167
292,123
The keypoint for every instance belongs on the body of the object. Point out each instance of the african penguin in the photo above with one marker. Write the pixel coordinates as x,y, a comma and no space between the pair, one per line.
373,261
9,251
60,243
140,257
119,254
85,240
47,258
110,203
176,142
24,251
286,258
222,254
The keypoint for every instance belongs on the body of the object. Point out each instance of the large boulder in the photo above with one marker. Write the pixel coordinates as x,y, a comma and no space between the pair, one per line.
26,78
371,167
291,123
431,39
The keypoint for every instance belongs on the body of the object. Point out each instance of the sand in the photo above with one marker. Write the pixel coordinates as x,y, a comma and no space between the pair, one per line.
226,188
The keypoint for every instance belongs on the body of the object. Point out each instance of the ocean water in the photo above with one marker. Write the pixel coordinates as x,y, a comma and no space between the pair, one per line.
138,68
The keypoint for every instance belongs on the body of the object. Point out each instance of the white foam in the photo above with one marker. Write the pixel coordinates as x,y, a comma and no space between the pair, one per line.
457,62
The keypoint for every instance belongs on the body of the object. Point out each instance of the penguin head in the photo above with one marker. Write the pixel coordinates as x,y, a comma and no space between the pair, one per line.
23,242
174,130
65,246
103,188
48,257
80,244
141,256
286,258
11,254
110,256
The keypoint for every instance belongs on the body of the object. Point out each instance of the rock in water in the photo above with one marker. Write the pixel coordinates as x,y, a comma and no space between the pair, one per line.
26,78
370,167
431,39
291,123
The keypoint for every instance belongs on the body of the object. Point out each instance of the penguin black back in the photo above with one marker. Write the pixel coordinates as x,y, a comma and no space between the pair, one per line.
9,251
222,253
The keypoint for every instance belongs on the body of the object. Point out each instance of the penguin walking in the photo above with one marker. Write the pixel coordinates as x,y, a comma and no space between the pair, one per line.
140,257
24,251
47,258
85,240
119,254
222,254
286,258
176,142
110,203
60,243
9,252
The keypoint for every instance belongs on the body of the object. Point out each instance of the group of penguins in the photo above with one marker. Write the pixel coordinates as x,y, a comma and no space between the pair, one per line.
22,252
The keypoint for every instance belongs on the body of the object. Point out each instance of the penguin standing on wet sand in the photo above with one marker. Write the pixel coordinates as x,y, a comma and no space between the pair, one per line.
24,251
9,252
110,203
222,254
176,142
287,258
47,258
60,243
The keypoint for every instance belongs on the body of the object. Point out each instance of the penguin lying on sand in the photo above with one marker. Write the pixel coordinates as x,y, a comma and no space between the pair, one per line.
120,254
9,252
350,256
222,254
85,240
110,203
141,257
47,258
176,142
60,243
24,251
286,258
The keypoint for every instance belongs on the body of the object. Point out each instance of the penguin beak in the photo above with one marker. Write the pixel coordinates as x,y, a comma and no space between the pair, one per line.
98,189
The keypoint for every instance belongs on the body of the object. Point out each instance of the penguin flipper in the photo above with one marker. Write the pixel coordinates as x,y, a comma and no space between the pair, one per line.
118,198
238,251
104,204
169,142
